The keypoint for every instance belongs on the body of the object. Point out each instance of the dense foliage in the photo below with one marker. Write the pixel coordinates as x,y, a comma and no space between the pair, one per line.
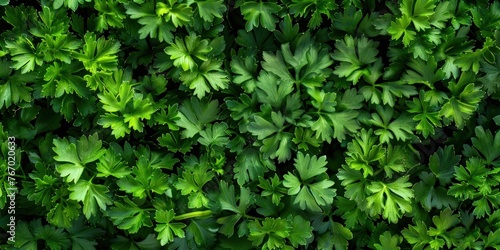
250,124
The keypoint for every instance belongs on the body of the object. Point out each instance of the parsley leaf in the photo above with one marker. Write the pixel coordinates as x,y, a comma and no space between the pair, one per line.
354,55
432,196
76,156
13,89
275,142
272,232
193,179
388,241
310,64
391,200
227,201
194,114
98,54
166,228
145,179
437,236
129,216
210,9
260,13
111,164
313,188
25,54
153,25
400,128
426,115
208,74
92,195
465,100
363,152
29,236
184,52
485,146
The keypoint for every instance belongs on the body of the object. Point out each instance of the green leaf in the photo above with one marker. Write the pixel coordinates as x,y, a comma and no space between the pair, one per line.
244,69
111,164
393,198
192,182
129,216
184,52
493,239
338,237
228,201
152,25
272,232
272,187
92,195
272,90
61,80
275,142
310,194
203,232
72,4
484,145
148,243
400,28
443,162
13,89
417,235
329,122
426,115
445,221
180,14
419,12
432,196
214,135
465,100
110,15
76,156
400,128
83,236
387,92
301,231
145,179
311,64
209,74
195,114
30,236
166,228
210,9
174,143
250,166
354,55
423,71
141,109
98,54
363,153
472,59
61,47
24,54
305,138
397,159
309,167
260,14
389,242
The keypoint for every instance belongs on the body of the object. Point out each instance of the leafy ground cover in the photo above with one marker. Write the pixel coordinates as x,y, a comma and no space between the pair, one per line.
250,124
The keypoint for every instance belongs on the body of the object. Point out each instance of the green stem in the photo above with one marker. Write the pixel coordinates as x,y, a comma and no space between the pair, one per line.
17,176
149,195
253,217
194,214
